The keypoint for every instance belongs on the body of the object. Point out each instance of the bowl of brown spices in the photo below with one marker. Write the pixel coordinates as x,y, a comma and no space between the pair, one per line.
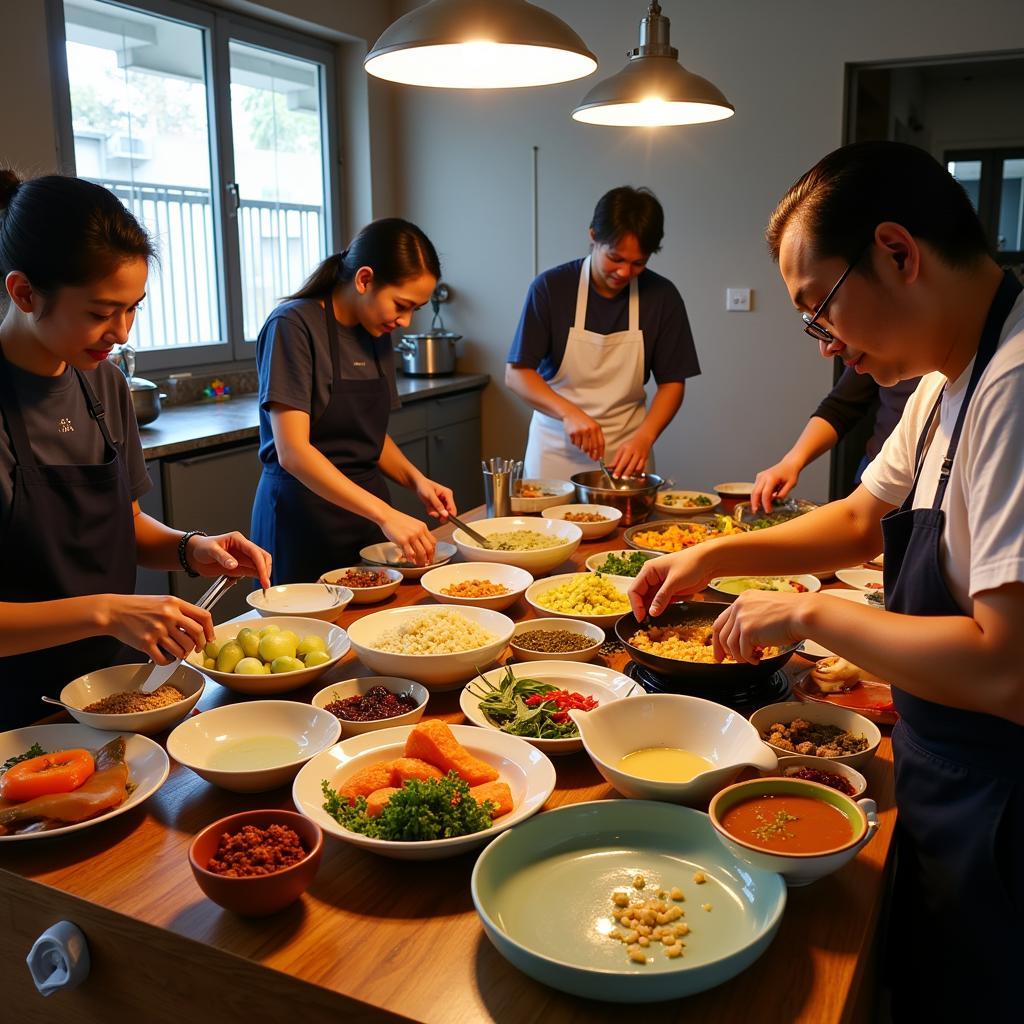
556,639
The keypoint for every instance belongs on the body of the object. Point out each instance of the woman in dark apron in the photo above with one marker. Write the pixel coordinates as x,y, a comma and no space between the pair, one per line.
74,262
327,390
947,493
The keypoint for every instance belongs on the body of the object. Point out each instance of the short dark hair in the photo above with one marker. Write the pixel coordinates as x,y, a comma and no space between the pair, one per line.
59,230
392,248
633,211
847,194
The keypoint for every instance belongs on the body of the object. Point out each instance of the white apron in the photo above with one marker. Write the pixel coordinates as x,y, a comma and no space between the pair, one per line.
602,374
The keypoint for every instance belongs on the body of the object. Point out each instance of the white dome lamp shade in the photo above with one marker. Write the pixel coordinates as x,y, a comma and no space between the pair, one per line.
479,44
653,89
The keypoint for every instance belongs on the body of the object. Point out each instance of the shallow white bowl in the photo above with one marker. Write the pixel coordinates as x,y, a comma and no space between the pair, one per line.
539,561
681,510
94,686
367,595
435,671
535,593
861,579
515,580
358,687
306,600
603,684
198,742
824,714
719,734
823,764
594,562
812,583
551,625
528,772
591,531
561,490
734,489
262,686
389,556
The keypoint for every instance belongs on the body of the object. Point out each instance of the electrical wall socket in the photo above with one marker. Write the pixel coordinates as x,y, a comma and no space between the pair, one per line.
737,300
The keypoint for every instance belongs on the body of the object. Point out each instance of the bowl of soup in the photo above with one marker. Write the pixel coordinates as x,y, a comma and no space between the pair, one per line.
670,747
801,829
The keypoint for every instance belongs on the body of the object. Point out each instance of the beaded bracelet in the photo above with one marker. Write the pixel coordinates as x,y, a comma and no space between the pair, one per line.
183,544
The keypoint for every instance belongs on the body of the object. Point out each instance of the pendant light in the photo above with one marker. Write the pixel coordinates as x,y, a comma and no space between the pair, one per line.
653,89
479,44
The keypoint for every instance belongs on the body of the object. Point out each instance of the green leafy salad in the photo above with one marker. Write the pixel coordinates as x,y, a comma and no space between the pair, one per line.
616,565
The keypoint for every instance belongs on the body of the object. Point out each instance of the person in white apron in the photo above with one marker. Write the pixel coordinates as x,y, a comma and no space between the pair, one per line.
585,376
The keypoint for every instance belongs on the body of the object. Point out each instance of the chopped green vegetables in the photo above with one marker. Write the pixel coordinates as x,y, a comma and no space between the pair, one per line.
34,751
529,708
420,810
616,565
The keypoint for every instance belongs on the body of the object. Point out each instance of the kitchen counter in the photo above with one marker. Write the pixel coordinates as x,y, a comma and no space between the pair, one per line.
197,425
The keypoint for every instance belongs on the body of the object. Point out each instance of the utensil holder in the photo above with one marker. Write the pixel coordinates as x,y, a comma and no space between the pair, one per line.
500,476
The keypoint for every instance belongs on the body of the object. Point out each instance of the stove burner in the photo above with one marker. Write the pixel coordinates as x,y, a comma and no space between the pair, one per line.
744,699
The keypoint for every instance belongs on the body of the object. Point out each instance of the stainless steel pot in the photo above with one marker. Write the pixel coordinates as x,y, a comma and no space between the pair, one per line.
428,355
146,398
633,496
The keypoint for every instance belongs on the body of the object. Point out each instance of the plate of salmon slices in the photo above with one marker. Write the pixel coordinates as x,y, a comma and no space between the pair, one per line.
63,778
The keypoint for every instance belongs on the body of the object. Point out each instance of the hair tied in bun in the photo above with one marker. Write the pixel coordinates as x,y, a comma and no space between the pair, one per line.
9,182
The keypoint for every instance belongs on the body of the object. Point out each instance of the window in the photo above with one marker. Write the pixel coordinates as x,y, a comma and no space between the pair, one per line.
994,182
240,207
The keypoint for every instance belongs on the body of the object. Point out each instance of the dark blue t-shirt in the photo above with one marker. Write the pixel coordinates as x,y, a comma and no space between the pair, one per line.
550,310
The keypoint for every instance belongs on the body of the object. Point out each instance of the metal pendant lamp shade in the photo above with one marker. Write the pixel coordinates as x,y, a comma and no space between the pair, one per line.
653,89
479,44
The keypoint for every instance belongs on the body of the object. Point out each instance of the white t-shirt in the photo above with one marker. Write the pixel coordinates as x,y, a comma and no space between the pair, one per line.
982,544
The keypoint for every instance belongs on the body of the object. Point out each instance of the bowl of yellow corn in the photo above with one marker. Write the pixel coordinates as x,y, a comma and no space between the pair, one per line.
588,596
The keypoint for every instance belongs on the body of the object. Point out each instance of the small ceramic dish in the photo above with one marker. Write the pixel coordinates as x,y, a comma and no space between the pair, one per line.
595,563
557,492
820,714
733,586
734,491
104,682
683,503
868,580
360,687
256,895
389,556
535,597
591,531
514,580
306,600
795,762
595,634
391,580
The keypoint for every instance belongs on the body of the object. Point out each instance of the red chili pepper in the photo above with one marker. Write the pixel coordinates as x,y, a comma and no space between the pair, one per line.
563,700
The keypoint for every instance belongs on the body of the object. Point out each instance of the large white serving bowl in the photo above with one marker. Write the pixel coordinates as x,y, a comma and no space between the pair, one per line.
535,594
528,772
94,686
360,687
389,556
719,734
591,531
306,600
202,741
538,561
515,581
603,684
435,671
554,624
824,714
282,682
559,492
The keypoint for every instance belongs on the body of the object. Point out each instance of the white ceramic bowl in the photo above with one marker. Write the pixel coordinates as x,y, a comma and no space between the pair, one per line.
263,686
591,531
823,764
389,556
824,714
719,734
868,580
223,745
367,595
812,583
560,492
734,490
528,772
594,562
358,687
796,868
514,580
94,686
603,684
551,625
535,594
435,671
686,510
306,600
537,561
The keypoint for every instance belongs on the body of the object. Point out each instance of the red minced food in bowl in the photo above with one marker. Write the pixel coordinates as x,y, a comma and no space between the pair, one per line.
825,778
378,702
255,851
360,580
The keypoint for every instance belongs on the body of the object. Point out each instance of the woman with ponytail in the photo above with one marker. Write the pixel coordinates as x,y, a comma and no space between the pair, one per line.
327,389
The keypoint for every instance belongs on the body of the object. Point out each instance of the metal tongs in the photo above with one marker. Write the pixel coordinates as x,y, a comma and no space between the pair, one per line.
478,537
161,673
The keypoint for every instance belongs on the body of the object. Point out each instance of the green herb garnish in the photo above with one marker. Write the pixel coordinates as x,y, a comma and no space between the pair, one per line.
420,810
504,706
616,565
34,751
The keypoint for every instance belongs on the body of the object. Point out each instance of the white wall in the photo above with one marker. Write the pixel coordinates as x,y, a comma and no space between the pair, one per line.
466,180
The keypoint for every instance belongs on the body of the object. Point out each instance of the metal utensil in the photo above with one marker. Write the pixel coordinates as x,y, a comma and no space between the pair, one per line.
604,469
478,537
58,703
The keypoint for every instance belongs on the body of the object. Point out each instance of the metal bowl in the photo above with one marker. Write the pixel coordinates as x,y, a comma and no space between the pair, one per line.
633,496
698,613
146,398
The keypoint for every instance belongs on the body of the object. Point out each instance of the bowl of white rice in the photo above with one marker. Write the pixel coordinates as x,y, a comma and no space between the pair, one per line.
536,545
440,646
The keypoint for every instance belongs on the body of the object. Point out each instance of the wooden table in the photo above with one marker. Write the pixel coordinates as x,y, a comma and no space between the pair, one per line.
375,939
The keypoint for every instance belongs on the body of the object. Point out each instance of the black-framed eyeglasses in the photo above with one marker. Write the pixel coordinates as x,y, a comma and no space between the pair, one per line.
811,325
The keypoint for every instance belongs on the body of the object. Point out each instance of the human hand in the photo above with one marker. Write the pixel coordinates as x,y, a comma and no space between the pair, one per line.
773,483
662,579
585,433
631,458
437,499
412,536
163,628
228,554
755,620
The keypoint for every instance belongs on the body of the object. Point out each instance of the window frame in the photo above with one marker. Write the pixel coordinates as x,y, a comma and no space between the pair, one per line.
990,191
219,28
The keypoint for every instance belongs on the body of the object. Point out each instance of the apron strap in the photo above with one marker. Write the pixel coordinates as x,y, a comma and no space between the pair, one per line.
334,338
96,410
582,292
634,304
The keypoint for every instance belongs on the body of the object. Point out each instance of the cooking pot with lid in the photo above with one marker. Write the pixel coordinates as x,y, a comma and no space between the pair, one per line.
431,354
146,398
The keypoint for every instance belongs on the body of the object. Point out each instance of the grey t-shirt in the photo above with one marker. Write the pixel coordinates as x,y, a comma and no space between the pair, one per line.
293,360
61,431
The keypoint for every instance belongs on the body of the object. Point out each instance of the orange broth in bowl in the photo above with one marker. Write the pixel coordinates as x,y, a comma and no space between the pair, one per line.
788,823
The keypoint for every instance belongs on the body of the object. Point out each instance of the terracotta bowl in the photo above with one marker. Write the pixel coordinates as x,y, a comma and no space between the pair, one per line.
262,894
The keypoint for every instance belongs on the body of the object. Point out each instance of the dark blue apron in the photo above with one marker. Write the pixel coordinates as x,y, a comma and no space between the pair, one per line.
306,535
957,936
70,532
